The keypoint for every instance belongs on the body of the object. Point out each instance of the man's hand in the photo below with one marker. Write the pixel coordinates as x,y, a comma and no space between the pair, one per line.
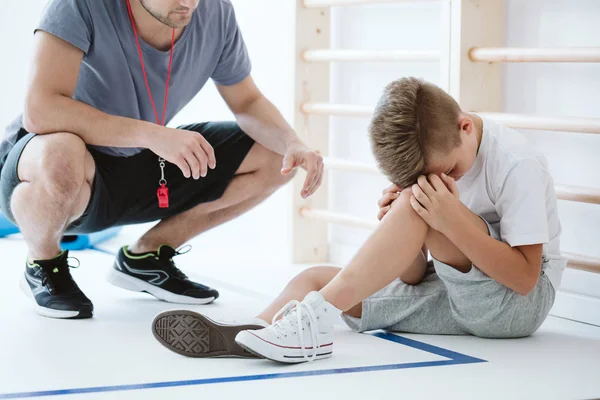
298,155
437,201
186,149
389,194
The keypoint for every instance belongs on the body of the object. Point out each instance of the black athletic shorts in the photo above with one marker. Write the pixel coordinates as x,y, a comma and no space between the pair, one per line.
124,189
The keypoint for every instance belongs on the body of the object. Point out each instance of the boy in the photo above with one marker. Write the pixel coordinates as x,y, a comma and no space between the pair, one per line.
476,196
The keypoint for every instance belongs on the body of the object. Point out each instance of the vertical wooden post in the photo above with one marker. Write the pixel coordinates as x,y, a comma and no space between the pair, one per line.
476,86
310,237
445,43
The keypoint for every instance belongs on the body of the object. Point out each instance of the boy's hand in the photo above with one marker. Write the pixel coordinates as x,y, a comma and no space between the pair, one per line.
437,201
389,194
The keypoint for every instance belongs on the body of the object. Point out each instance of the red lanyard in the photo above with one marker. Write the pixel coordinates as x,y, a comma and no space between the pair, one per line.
162,192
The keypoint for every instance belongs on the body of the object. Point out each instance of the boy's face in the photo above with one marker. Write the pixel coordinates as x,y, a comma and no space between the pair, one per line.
462,158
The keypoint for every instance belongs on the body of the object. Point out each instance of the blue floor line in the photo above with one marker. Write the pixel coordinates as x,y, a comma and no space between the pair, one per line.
454,358
197,382
461,358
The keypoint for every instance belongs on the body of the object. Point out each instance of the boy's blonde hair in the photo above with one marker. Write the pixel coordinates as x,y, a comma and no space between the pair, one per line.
414,122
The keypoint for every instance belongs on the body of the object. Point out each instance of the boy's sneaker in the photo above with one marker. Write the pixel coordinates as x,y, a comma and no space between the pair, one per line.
155,273
304,333
195,335
50,284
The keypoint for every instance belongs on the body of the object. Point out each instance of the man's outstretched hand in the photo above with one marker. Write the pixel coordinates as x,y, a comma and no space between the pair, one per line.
299,155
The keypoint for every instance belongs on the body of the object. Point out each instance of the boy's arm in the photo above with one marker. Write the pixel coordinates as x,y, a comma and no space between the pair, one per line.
518,266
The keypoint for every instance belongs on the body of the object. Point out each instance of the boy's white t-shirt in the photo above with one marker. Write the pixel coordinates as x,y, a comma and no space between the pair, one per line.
510,187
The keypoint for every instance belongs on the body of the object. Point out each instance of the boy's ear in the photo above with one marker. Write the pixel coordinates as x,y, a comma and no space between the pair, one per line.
465,123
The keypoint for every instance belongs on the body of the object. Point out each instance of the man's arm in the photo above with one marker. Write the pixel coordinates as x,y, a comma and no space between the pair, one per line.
258,117
261,120
50,108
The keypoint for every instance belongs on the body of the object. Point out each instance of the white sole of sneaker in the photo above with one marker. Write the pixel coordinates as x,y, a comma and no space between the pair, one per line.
195,335
127,282
44,311
265,349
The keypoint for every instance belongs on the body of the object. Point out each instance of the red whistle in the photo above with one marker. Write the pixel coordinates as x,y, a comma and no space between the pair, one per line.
163,196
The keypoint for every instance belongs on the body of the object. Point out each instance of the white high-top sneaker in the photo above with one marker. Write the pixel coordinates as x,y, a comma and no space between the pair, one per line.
304,332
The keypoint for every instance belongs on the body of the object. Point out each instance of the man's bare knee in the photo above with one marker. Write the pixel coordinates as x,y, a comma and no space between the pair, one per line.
58,161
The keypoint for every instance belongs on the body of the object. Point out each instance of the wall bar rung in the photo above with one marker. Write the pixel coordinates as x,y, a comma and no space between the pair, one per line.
578,193
328,216
514,54
518,121
561,124
340,55
338,110
350,166
338,3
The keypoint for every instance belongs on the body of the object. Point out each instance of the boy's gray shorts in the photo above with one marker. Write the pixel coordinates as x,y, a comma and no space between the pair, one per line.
449,302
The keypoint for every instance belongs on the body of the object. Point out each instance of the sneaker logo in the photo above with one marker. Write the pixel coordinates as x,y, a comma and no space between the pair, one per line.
160,276
37,283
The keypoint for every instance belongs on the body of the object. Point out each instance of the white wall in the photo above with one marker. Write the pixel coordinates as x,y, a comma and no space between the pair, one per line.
263,234
544,89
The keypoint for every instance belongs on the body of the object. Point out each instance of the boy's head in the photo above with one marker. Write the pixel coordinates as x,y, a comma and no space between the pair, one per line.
418,129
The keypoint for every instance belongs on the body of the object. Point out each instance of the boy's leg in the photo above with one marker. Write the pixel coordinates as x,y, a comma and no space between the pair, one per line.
373,268
316,278
377,264
195,335
311,280
379,254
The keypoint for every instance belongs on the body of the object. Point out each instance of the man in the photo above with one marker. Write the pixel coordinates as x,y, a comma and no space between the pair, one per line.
91,151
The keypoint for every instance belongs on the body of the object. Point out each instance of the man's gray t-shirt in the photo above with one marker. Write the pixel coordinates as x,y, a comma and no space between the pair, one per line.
111,79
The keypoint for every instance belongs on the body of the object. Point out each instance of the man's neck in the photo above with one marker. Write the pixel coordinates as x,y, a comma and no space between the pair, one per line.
151,30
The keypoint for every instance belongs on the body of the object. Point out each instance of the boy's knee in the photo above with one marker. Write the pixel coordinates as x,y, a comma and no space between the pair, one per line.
317,277
403,201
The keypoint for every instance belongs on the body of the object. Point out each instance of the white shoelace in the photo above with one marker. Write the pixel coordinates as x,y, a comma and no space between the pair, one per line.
286,325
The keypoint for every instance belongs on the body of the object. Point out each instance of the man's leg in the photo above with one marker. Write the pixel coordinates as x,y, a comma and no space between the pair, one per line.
56,174
257,178
148,266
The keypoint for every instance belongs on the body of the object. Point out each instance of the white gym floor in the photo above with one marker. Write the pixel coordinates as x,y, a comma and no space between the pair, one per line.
114,355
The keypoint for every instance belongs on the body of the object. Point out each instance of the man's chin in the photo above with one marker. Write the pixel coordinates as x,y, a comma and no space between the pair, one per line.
179,21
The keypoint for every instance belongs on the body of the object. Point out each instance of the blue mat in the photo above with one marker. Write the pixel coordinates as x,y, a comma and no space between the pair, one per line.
70,242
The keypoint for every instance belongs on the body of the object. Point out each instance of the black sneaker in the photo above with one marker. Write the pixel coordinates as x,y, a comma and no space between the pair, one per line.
50,284
155,273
